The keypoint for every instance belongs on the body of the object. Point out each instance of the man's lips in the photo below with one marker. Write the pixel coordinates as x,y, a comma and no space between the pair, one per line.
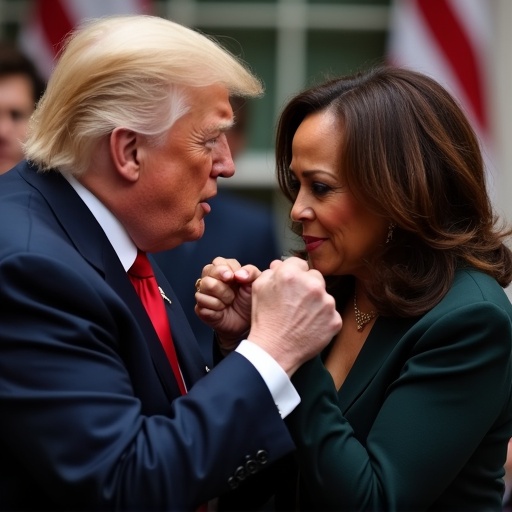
206,207
312,242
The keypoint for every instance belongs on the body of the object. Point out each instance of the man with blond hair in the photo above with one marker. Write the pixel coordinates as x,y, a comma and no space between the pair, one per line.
104,403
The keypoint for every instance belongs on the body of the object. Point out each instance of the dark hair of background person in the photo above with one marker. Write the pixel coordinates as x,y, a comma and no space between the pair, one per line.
14,62
410,155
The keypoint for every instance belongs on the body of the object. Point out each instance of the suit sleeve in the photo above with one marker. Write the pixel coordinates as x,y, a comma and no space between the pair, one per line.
445,399
70,416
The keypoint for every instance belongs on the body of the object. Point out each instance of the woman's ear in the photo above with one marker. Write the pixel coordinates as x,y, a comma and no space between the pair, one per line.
124,152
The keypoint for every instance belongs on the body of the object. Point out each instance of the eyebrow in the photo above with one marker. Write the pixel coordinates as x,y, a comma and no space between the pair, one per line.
312,172
222,126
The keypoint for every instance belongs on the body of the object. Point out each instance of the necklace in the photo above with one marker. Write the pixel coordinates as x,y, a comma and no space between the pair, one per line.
362,318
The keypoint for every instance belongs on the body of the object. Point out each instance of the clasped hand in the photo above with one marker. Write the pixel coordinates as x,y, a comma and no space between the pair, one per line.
284,309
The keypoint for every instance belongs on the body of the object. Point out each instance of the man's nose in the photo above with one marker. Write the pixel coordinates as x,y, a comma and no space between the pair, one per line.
222,165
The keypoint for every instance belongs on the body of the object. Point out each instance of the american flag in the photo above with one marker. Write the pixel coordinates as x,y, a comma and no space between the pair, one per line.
49,21
450,40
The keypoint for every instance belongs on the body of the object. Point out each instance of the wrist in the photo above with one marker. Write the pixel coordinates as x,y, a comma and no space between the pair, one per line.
227,344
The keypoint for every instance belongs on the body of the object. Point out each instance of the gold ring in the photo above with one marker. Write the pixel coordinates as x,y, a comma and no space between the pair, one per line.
198,285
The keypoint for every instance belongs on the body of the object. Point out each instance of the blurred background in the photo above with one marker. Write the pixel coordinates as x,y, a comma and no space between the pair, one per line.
291,44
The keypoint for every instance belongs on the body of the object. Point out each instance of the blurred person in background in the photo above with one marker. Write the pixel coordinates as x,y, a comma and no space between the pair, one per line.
20,88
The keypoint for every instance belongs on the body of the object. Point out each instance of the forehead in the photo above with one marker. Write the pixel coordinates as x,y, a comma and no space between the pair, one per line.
210,109
16,90
317,132
317,144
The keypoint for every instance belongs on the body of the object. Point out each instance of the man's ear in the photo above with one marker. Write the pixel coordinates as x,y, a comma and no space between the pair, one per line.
124,152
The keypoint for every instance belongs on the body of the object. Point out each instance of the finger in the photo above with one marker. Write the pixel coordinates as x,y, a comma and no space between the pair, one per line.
221,268
247,274
215,288
274,264
317,275
210,302
209,316
226,264
221,272
207,269
291,261
294,262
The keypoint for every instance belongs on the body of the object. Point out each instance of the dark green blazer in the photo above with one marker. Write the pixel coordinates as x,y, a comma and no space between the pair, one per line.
423,419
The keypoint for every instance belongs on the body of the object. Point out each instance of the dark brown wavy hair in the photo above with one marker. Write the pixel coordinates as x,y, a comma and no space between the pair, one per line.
410,156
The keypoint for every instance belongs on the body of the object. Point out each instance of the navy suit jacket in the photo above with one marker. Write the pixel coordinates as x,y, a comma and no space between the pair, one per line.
87,397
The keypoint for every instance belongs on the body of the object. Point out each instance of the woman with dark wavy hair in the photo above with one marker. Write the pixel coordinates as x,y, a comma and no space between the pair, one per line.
409,407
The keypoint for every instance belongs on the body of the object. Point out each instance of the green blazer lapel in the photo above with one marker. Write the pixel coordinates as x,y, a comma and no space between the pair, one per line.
382,340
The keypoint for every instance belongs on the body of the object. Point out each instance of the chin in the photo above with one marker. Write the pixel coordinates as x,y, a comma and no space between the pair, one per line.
197,233
316,263
325,268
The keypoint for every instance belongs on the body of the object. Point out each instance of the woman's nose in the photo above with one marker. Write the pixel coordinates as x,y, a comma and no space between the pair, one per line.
300,211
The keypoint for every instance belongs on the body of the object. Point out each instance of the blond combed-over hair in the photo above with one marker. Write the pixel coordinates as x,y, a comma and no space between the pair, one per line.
132,71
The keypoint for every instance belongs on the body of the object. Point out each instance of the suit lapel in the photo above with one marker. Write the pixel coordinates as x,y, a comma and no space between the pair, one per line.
92,243
191,360
381,341
116,277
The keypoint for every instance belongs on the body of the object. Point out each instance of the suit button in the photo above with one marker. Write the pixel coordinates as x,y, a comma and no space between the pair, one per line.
262,456
240,473
251,466
233,482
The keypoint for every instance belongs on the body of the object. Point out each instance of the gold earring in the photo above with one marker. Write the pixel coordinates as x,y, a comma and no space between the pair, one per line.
391,227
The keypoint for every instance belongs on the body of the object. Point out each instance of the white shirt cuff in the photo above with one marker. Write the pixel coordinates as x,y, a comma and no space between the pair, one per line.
284,394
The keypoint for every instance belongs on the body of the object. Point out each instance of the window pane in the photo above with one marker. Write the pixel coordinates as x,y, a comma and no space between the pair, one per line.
332,53
257,48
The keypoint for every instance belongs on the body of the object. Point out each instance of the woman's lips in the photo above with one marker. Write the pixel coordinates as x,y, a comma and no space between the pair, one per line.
313,242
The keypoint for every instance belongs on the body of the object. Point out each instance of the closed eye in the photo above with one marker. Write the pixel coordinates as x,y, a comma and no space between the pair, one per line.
18,115
320,189
210,143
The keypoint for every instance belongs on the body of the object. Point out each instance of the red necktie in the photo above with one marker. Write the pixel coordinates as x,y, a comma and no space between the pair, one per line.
142,277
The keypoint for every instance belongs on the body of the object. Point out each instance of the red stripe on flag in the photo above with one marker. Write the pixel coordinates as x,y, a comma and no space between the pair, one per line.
54,21
457,47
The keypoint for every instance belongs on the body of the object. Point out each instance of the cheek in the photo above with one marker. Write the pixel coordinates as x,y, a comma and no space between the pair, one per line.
21,130
356,228
342,216
193,172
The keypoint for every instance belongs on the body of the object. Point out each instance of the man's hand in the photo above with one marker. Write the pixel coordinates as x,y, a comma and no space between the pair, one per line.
293,317
224,299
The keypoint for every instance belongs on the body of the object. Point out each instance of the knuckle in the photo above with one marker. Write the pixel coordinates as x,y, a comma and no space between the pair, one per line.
288,275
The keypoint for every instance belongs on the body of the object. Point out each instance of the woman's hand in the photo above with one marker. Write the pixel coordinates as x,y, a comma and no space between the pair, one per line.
224,299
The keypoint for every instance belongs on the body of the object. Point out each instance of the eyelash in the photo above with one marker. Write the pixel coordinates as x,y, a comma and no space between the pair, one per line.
318,189
212,142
